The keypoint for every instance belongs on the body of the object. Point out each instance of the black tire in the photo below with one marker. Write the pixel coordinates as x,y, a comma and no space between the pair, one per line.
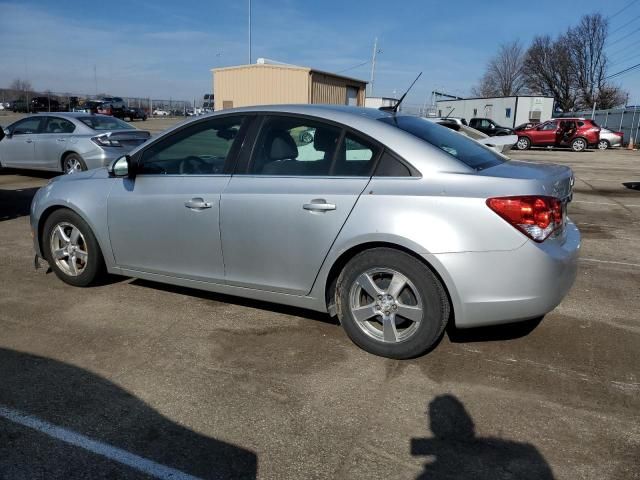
434,300
94,267
579,144
523,143
72,157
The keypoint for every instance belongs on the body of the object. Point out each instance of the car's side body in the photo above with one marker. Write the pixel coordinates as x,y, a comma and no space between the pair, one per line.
55,136
276,250
612,139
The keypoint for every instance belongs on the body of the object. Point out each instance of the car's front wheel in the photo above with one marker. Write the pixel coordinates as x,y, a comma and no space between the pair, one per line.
71,249
523,143
390,304
603,145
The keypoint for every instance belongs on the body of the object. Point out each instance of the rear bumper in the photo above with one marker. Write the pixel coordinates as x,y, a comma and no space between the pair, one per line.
490,288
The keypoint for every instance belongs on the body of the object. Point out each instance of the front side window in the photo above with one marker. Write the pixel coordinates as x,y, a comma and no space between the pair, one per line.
293,146
463,149
549,126
27,126
507,112
200,149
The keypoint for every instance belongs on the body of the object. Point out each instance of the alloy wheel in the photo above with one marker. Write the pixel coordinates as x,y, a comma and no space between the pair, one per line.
69,249
72,165
578,145
522,144
603,145
386,305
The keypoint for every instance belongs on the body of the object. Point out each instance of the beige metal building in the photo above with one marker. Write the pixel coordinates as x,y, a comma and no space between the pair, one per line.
266,84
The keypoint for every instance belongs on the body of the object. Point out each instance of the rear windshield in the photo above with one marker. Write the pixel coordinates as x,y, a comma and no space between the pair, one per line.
467,151
105,123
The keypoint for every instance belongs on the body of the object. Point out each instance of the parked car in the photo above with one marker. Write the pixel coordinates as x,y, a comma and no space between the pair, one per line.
489,127
117,103
44,104
526,125
67,142
160,113
394,224
135,114
19,106
609,138
575,133
501,143
458,120
89,106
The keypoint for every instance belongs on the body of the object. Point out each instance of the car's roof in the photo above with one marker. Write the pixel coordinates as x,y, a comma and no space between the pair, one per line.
69,114
316,110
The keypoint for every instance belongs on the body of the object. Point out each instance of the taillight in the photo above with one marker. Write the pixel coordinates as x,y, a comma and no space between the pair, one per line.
535,216
105,141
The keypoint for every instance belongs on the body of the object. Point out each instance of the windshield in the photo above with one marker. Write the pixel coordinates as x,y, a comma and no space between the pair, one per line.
105,123
467,151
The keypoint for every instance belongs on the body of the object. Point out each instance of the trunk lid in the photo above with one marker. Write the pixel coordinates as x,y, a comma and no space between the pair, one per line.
129,139
555,180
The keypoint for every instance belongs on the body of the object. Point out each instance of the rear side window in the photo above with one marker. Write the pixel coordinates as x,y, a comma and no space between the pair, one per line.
355,157
292,146
462,148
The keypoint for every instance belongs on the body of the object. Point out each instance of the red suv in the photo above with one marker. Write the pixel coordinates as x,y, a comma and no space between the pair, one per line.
576,133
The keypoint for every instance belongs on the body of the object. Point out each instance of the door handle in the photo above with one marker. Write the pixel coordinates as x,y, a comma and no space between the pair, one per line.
61,139
319,205
198,204
29,140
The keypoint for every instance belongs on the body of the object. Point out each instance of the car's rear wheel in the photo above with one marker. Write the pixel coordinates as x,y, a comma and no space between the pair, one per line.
73,163
390,304
579,145
71,249
523,143
603,145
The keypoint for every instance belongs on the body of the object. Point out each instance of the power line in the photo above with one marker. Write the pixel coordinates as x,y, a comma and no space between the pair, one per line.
625,47
355,66
633,67
625,60
622,9
625,37
626,24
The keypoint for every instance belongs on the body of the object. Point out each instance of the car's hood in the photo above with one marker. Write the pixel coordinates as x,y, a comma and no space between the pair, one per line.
89,174
499,140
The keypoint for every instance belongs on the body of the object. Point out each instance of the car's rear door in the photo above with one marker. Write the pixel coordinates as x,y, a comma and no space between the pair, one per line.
166,220
545,134
52,142
18,150
283,209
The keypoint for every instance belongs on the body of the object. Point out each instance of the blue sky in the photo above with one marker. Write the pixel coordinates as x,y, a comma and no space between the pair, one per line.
166,48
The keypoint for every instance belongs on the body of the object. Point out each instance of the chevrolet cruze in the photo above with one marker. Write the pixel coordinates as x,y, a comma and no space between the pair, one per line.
394,224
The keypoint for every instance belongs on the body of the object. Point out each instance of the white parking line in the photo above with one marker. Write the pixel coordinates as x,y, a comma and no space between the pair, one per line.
113,453
628,264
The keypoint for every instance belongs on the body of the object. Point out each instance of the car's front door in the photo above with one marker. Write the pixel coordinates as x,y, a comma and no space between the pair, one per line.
18,150
52,142
282,212
545,134
166,220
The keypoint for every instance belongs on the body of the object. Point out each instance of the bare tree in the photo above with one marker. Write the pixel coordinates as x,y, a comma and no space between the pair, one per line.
585,44
548,71
20,88
504,74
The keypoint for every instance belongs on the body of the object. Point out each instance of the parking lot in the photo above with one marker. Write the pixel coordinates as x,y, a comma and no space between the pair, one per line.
133,379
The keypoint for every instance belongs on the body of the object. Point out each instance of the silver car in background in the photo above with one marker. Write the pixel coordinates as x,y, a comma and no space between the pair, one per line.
67,142
396,225
609,138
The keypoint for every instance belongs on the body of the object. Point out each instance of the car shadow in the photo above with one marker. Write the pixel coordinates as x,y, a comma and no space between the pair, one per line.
493,333
15,203
454,451
240,301
58,421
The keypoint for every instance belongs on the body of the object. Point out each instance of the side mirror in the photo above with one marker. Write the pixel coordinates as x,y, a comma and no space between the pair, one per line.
2,134
5,133
123,167
492,126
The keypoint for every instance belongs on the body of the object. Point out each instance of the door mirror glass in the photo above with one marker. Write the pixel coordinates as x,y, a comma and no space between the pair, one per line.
120,167
3,133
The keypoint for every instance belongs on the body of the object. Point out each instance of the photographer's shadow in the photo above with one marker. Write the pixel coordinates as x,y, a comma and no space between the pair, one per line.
455,452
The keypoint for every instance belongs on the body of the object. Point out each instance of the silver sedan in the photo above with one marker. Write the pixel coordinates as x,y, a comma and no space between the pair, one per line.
396,225
67,142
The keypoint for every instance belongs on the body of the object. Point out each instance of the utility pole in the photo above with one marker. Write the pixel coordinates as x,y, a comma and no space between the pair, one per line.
249,32
373,66
95,78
